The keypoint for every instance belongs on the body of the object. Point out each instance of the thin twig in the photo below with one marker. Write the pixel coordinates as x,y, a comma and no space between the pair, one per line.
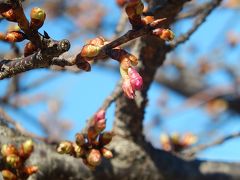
192,151
117,92
19,128
197,23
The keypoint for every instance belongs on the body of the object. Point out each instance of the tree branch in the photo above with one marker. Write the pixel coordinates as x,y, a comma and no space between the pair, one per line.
192,151
197,23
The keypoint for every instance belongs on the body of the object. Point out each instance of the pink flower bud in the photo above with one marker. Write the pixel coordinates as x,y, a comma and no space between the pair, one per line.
127,88
99,115
135,79
100,125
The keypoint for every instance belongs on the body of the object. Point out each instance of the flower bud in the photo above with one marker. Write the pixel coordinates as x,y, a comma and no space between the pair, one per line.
80,140
127,88
14,36
10,15
8,175
92,133
99,41
99,115
135,79
133,59
29,49
175,138
26,148
124,73
65,147
189,139
38,16
38,13
105,138
87,164
139,8
134,8
79,151
106,153
148,19
29,170
100,125
13,28
125,62
94,157
8,149
164,34
165,141
13,160
90,51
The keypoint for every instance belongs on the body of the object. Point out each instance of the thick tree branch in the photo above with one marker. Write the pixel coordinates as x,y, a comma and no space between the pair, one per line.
41,59
130,161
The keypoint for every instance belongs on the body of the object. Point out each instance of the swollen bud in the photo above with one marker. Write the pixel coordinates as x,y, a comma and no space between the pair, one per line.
9,15
65,147
135,79
29,170
105,138
8,175
90,51
92,133
26,148
38,16
78,151
148,19
8,149
99,115
98,41
13,160
13,28
29,49
164,34
127,88
94,157
14,36
106,153
80,140
100,125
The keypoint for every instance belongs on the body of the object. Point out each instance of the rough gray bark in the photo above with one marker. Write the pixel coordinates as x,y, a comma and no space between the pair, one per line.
131,161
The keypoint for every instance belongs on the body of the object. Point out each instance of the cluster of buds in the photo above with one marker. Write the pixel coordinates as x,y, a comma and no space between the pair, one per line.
132,80
177,143
89,52
90,147
15,159
37,18
135,10
94,49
